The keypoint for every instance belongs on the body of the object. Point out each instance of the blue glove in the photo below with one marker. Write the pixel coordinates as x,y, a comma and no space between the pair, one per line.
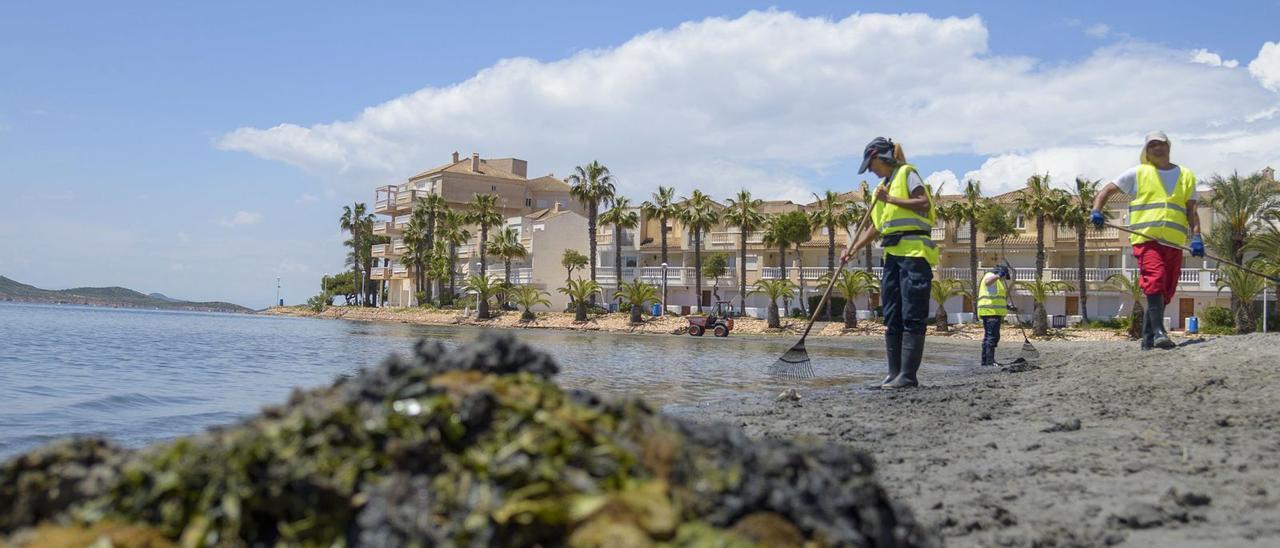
1197,246
1095,217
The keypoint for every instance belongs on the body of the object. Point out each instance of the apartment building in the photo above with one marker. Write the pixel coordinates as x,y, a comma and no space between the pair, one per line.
540,209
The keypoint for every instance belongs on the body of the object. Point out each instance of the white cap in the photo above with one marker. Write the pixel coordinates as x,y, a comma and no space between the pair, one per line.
1156,136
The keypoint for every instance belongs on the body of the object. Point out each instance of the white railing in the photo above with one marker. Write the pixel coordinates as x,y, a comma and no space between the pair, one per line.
519,276
962,232
938,233
1108,233
380,273
1189,276
386,250
466,250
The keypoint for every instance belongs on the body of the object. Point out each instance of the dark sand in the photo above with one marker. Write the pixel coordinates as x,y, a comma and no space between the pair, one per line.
1104,444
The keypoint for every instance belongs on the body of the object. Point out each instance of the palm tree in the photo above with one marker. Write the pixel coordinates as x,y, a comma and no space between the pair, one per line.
416,258
1241,207
1040,290
579,291
572,260
663,207
859,211
621,216
506,244
527,297
636,294
785,230
830,212
1129,285
1245,288
967,210
852,284
996,222
483,211
1045,203
698,214
743,212
359,222
484,289
452,230
941,290
1267,247
774,289
591,185
1075,215
425,212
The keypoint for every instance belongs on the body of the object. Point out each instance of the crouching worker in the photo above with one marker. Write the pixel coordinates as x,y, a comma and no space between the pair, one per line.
993,304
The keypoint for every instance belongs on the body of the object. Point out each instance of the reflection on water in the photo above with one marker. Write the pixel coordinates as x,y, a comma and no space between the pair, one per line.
139,376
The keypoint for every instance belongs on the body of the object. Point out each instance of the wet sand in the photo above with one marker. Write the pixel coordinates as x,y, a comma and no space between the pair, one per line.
1103,444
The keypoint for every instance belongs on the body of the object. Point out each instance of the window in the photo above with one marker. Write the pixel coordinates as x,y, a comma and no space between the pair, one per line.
753,262
629,262
1019,223
528,202
493,188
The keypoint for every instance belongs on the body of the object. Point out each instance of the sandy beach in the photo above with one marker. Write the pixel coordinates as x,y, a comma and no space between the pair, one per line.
673,325
1102,445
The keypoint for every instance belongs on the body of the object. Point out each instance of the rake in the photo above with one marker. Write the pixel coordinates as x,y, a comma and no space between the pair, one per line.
1029,352
795,362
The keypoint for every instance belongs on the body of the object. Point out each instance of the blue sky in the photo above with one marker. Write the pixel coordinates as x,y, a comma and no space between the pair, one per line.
138,147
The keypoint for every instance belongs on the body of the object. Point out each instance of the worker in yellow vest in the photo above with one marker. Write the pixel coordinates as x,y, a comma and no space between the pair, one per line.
1163,208
993,305
903,216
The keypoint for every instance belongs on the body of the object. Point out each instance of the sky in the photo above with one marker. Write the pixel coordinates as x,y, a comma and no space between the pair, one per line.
202,150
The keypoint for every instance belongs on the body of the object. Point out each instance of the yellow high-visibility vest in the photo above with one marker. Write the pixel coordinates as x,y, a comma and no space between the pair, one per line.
993,300
891,219
1156,214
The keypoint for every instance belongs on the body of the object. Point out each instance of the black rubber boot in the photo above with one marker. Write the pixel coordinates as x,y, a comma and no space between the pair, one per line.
988,355
1147,332
912,353
893,355
1159,337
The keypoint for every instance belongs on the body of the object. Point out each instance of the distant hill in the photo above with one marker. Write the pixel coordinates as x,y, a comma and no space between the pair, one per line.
164,297
106,296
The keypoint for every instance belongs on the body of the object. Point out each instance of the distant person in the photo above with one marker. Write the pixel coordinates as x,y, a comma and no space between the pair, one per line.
904,217
993,305
1163,207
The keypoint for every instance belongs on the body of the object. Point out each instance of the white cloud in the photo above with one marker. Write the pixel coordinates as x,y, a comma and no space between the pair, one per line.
1206,57
306,198
945,179
242,218
1266,67
1098,30
767,99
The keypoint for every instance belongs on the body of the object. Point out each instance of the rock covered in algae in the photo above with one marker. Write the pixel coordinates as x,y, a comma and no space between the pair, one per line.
471,447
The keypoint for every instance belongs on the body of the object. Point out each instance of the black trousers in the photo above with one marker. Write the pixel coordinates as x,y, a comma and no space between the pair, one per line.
990,337
904,294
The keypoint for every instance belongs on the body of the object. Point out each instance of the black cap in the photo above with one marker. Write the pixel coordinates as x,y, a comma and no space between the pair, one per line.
877,147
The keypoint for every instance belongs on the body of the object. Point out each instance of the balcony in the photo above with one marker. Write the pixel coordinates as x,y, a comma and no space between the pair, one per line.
676,276
388,228
387,251
1106,234
399,272
938,233
380,273
604,239
384,199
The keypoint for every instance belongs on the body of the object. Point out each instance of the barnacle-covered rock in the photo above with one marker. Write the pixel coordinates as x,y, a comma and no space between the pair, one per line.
472,447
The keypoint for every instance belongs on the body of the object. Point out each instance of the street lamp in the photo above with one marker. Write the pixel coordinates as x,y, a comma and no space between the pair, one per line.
278,301
664,289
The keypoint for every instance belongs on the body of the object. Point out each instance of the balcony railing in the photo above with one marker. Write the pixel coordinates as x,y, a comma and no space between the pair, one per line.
1069,234
380,273
519,276
387,228
399,272
386,250
938,233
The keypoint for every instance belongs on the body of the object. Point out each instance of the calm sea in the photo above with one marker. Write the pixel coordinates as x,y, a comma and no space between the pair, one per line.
138,376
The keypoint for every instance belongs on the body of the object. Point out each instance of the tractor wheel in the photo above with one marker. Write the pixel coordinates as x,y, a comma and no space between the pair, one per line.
696,330
721,331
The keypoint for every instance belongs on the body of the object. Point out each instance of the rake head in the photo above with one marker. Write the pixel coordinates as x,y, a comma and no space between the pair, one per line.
794,364
1029,352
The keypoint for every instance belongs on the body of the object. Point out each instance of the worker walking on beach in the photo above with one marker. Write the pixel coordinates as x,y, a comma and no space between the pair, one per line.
1163,207
993,305
903,216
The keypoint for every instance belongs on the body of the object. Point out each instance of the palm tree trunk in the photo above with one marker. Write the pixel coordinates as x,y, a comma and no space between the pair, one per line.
431,245
506,280
850,313
869,269
697,268
831,261
1135,321
804,307
940,319
773,321
617,261
1084,284
663,231
742,273
484,257
453,271
973,263
1040,324
591,243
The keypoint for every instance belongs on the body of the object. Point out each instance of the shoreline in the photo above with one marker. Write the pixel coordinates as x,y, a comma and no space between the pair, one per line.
619,322
1103,444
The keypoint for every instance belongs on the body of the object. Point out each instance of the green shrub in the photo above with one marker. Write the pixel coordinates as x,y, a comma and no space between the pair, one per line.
1217,316
319,302
1217,330
837,306
1113,323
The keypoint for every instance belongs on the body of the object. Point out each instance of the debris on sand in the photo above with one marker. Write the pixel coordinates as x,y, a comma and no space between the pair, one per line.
475,446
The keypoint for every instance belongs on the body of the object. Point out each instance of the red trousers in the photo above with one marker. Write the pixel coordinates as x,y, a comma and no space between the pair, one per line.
1158,267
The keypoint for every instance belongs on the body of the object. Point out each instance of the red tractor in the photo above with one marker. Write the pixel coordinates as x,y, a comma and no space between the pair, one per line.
719,322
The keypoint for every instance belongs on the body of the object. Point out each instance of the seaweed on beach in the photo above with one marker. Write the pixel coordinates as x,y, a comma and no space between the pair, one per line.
475,446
